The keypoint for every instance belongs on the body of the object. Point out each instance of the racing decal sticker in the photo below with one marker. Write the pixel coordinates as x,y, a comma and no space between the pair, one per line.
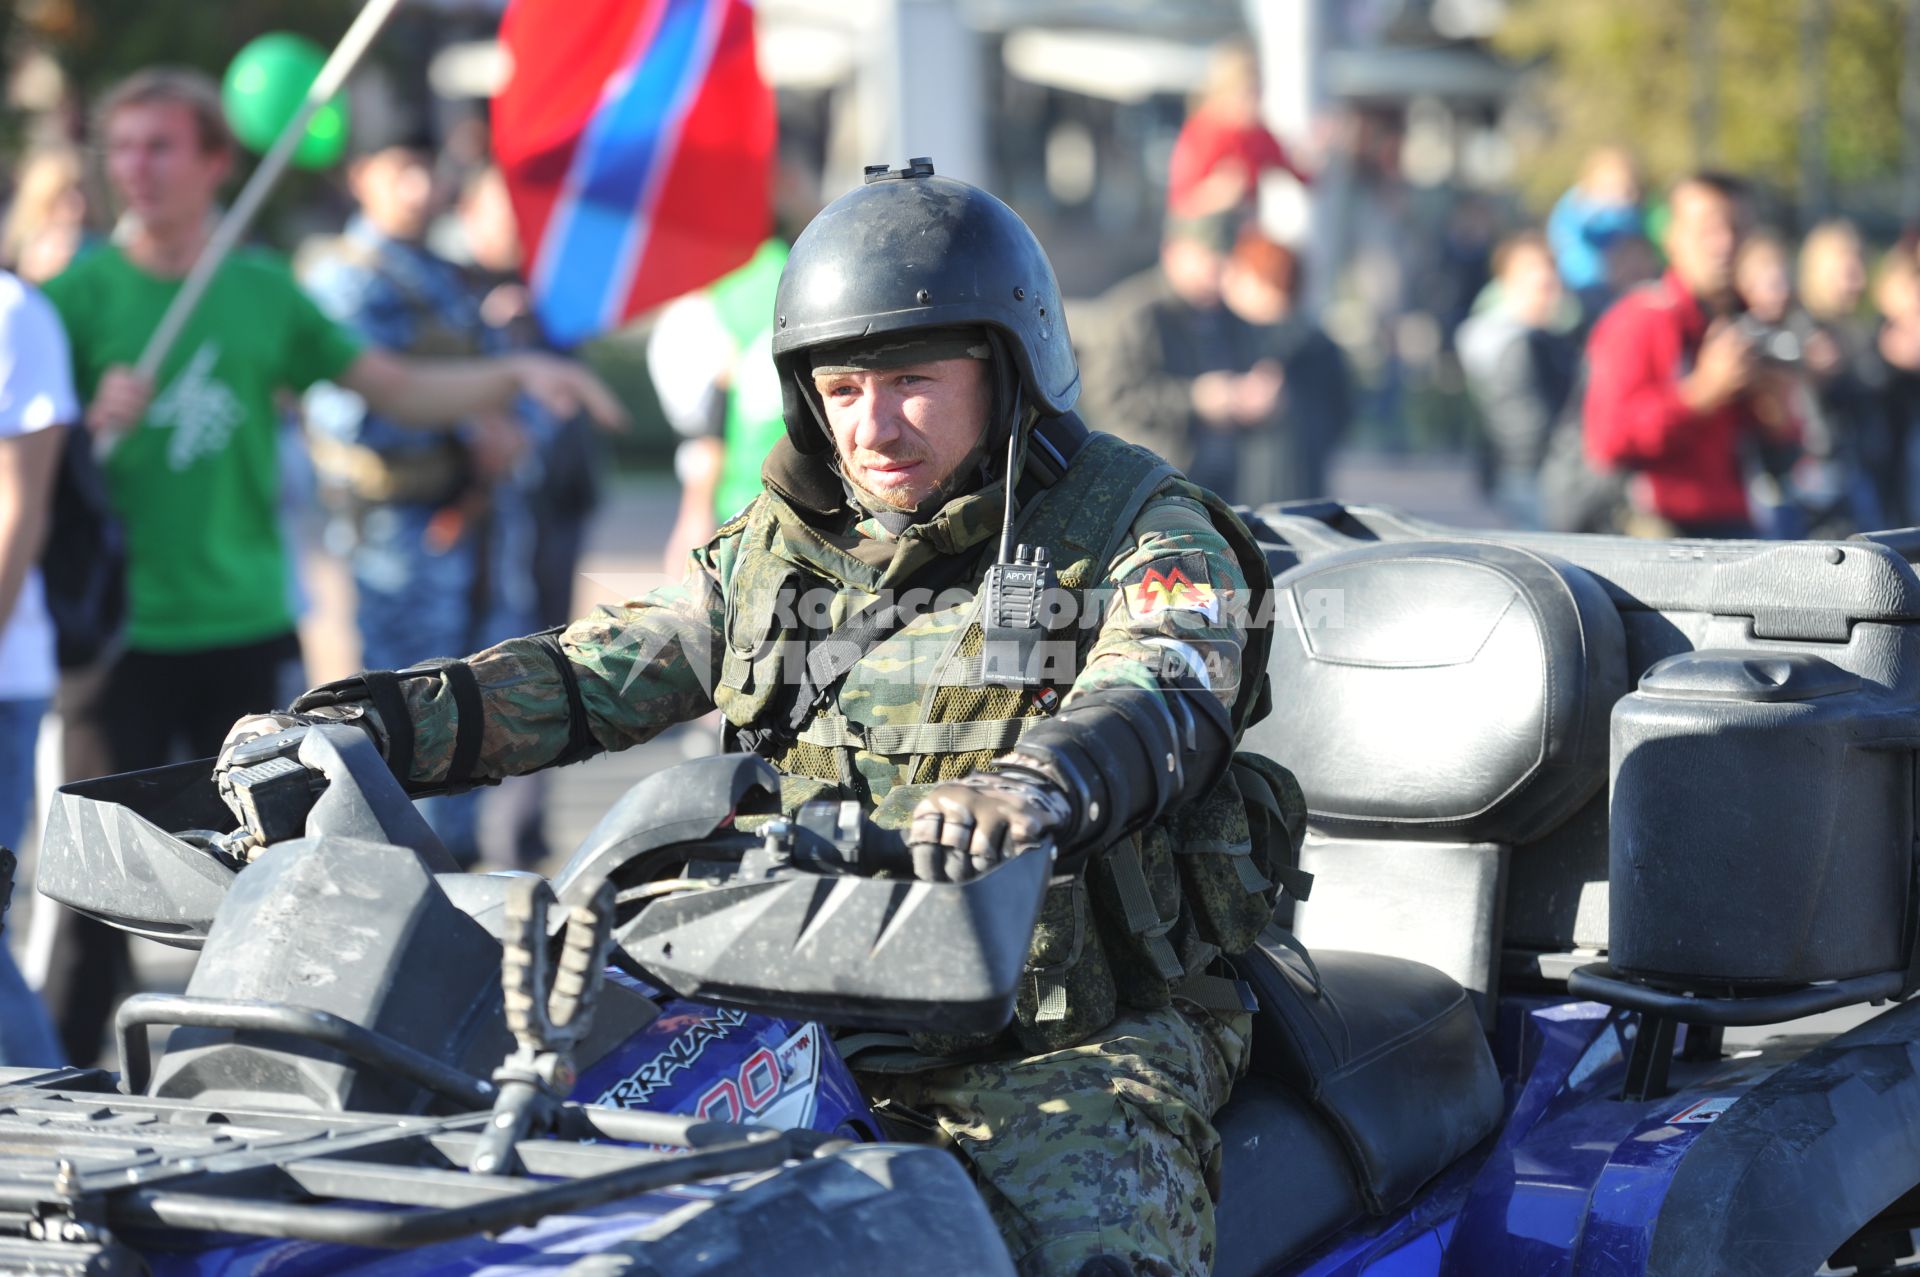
1178,584
774,1087
1701,1112
638,1087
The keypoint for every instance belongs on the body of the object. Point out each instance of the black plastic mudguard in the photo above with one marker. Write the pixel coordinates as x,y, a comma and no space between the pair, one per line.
1801,1162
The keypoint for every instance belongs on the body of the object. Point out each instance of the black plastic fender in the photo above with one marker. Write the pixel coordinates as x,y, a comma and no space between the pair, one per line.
1801,1162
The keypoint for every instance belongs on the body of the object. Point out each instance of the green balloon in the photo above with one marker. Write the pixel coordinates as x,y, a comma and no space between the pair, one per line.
265,85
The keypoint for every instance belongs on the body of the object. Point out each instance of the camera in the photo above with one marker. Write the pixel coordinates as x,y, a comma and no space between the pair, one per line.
1773,343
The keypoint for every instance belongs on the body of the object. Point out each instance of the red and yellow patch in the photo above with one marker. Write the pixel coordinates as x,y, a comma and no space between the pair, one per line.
1176,585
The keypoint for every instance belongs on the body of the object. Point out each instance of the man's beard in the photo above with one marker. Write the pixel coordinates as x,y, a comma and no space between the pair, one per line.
965,477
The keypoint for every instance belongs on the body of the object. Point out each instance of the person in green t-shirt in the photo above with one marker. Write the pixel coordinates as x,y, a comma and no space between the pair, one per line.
191,455
711,360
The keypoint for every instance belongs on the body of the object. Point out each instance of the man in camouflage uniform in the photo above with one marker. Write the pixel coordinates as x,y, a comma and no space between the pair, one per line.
836,624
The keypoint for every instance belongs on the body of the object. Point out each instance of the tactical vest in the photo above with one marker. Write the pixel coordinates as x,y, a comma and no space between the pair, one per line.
1147,917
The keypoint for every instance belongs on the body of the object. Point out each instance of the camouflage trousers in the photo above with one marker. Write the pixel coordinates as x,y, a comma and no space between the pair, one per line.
1104,1148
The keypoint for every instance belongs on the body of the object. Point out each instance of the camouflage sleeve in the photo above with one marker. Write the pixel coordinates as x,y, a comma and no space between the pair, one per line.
1174,605
641,667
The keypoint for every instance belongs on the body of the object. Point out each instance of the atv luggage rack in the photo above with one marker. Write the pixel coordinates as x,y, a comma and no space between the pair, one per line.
74,1152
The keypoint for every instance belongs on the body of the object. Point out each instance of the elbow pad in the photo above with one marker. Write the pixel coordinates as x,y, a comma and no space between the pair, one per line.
1125,756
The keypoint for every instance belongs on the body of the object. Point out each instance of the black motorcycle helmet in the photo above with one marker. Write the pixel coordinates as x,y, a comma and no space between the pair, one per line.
911,250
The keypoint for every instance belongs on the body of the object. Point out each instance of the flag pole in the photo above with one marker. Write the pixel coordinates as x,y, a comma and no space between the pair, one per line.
333,73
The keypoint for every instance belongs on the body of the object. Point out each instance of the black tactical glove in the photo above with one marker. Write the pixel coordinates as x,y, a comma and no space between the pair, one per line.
966,827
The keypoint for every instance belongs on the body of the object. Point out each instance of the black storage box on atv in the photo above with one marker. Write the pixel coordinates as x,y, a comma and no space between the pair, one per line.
1762,824
1677,776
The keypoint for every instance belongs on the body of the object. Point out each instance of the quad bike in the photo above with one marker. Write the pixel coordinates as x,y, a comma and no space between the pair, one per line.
1578,805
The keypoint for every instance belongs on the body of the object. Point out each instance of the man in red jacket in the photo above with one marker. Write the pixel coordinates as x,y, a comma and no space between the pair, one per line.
1674,390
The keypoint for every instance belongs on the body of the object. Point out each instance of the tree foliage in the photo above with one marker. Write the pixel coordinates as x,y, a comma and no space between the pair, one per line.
1627,71
99,41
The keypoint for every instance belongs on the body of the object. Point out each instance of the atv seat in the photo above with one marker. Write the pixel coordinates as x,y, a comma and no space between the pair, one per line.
1442,703
1369,1077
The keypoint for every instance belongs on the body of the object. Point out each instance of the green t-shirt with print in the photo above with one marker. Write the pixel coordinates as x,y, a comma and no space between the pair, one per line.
198,481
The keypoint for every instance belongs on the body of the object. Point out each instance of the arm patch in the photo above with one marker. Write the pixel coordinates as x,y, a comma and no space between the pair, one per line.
1177,584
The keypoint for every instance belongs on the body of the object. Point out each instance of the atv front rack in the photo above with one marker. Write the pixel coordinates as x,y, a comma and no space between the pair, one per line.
142,1010
76,1156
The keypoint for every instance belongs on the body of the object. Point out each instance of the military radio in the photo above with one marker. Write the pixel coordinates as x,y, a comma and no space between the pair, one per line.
1023,612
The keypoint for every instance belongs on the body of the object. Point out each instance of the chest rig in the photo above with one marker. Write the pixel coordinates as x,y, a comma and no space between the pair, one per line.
860,680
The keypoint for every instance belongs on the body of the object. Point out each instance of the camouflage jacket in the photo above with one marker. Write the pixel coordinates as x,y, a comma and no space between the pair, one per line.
734,634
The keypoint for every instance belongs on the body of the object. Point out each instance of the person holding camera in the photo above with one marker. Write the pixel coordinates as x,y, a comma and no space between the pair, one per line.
1677,386
1809,482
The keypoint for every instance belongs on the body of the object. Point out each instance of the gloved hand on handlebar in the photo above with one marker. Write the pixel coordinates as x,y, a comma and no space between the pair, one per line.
966,827
254,726
271,802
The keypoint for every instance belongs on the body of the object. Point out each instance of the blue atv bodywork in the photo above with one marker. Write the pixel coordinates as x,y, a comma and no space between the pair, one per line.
1744,1168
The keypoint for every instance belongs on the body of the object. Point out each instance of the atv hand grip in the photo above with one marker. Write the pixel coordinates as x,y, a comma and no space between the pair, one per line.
836,837
884,849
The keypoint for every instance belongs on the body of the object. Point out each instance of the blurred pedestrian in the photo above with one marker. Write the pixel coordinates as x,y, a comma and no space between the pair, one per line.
1602,207
1520,361
1166,360
1896,296
1674,390
440,533
1849,379
557,483
47,223
193,466
37,405
1223,147
1796,486
1632,260
1286,455
563,474
709,357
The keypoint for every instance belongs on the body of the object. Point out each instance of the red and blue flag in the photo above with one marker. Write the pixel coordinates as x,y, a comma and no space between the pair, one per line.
636,138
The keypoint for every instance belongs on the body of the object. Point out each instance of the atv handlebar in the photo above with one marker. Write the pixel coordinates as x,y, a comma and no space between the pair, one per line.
836,837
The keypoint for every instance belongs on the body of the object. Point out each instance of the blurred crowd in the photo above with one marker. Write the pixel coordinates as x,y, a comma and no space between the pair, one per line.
1670,366
385,401
1658,363
1210,357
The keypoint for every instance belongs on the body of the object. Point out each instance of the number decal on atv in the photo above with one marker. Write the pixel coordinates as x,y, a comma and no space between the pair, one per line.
776,1088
